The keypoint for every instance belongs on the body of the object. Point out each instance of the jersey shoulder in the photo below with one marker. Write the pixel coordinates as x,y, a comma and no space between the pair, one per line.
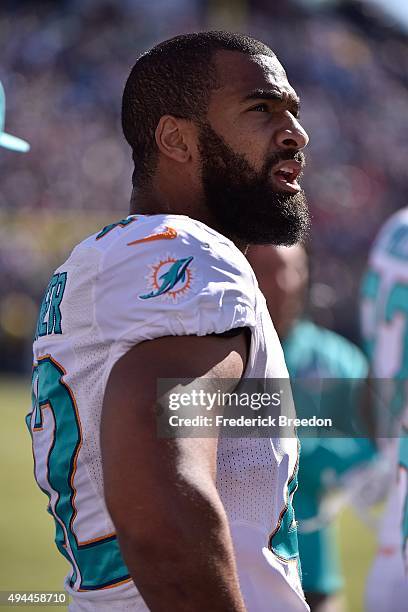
170,275
162,256
146,277
156,233
171,257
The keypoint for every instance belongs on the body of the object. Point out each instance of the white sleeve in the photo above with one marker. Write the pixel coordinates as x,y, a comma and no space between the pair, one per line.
197,283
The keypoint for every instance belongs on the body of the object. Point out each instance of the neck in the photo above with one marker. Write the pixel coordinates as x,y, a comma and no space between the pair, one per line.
155,202
146,202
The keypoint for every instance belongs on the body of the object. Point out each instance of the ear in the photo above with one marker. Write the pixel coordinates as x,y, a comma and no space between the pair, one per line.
172,138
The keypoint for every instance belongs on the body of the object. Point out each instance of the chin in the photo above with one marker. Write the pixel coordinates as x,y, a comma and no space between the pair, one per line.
258,236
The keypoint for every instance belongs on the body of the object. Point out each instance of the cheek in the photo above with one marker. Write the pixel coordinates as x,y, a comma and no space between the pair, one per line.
253,142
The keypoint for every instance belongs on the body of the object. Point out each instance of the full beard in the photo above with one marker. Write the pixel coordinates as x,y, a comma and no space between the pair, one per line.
243,202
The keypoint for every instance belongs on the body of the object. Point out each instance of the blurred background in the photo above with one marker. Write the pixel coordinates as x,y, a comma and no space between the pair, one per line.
63,66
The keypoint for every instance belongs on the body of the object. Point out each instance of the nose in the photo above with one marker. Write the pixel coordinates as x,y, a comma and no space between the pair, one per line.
292,136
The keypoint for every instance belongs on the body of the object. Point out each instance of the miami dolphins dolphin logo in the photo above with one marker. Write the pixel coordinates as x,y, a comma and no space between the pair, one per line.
174,281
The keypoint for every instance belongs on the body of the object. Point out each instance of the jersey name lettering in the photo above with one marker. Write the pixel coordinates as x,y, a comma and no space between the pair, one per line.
50,319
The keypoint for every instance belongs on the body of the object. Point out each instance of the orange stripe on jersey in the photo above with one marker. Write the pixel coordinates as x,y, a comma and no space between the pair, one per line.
104,537
168,234
109,586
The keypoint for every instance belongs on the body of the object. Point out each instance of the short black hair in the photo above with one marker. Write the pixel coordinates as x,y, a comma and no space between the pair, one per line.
175,77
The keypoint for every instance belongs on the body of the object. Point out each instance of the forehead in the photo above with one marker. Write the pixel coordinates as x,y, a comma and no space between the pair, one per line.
239,74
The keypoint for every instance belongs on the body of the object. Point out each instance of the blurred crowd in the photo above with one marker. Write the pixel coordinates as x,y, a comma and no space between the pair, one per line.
63,66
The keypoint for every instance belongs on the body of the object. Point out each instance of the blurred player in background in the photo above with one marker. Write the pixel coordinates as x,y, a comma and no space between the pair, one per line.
314,353
176,524
7,141
384,318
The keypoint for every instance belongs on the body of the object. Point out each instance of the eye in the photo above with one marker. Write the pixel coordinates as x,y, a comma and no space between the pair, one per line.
260,108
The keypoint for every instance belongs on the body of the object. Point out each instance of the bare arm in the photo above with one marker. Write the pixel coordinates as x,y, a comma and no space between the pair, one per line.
161,494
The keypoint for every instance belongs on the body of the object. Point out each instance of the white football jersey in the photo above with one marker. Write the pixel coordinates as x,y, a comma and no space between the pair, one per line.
384,313
142,278
384,317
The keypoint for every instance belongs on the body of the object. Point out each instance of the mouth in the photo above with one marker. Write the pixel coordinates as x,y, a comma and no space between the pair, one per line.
286,173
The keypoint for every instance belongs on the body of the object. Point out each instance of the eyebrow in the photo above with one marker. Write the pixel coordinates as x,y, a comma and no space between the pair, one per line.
272,94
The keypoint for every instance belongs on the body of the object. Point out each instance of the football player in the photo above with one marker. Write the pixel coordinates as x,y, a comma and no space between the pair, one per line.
384,317
177,523
326,372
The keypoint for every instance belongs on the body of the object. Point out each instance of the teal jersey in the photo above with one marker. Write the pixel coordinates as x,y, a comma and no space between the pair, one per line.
384,323
312,352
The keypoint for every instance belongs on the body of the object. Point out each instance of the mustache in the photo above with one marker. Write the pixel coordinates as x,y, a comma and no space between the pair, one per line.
276,158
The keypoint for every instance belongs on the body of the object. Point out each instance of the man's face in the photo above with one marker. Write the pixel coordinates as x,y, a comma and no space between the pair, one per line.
251,155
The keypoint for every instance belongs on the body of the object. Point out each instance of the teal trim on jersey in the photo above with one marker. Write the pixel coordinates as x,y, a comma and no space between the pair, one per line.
111,226
283,541
99,562
175,274
312,352
370,287
51,306
55,317
59,533
34,421
42,325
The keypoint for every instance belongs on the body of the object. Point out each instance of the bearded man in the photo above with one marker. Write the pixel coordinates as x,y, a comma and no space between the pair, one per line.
181,524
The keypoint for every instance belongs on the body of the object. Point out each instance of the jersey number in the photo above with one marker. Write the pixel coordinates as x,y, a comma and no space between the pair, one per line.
97,563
